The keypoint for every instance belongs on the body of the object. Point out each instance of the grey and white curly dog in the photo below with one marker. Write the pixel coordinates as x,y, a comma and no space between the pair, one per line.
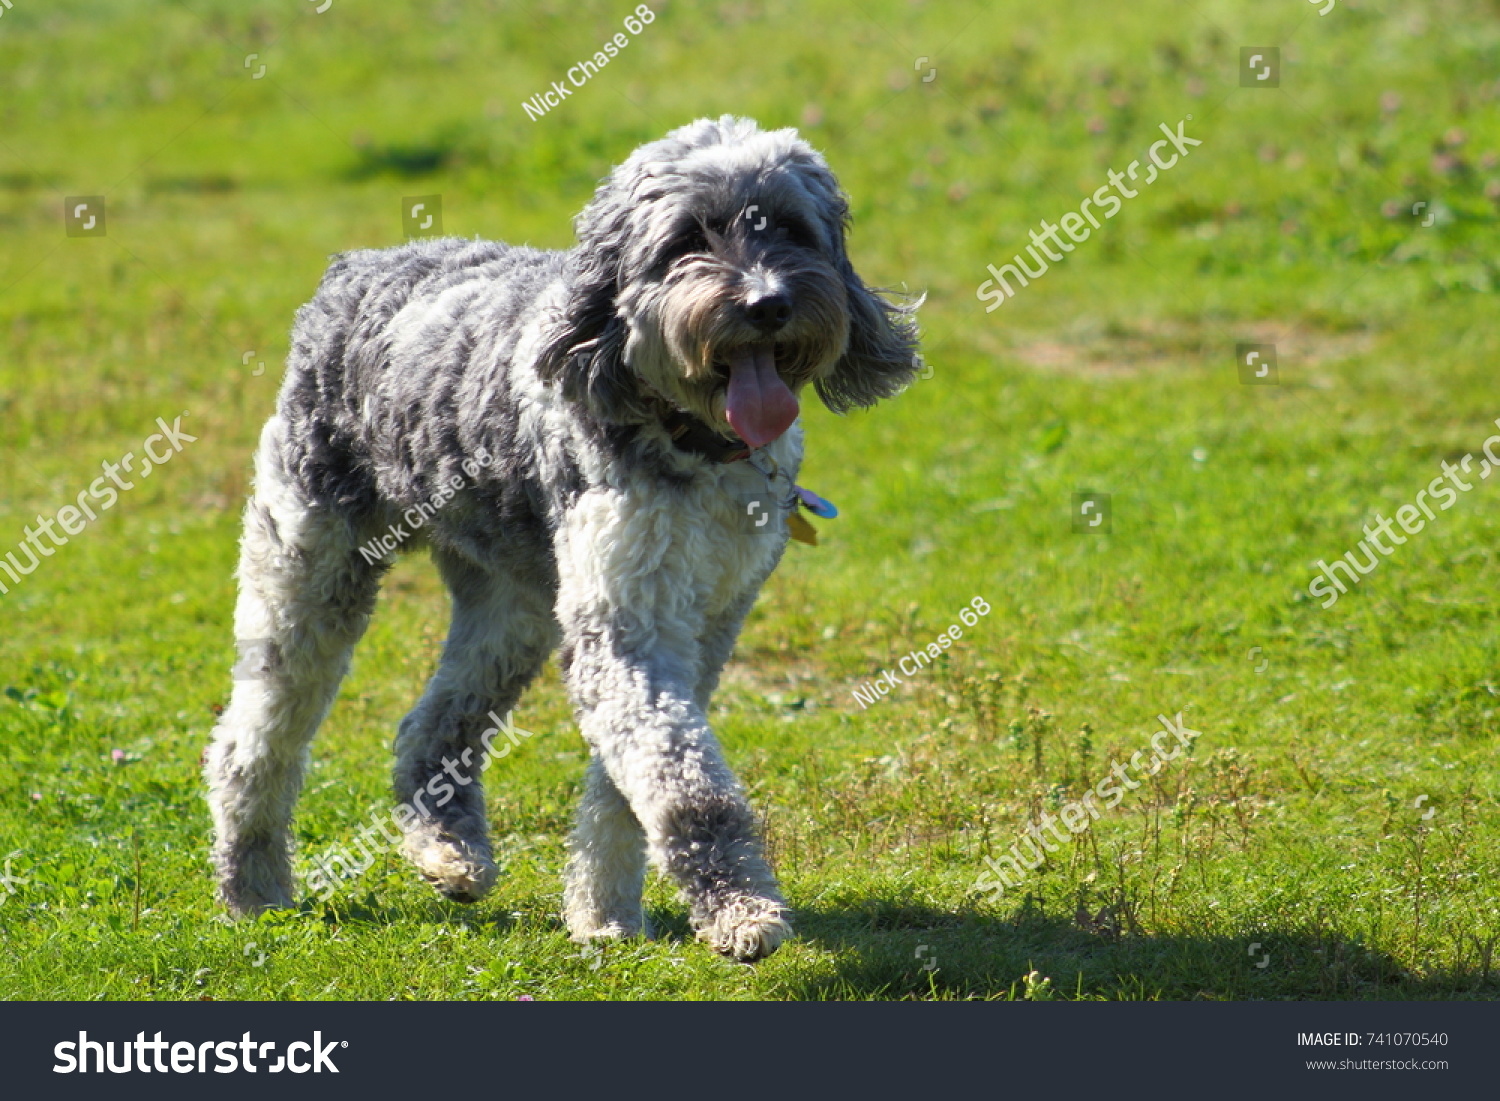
581,416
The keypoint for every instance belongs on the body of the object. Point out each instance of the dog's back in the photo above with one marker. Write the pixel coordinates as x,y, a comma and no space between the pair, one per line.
380,366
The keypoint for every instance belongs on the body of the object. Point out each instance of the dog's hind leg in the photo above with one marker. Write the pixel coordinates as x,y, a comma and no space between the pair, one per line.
305,596
502,632
607,865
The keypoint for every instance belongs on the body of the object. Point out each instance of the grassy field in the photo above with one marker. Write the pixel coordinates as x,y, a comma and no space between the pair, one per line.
1334,832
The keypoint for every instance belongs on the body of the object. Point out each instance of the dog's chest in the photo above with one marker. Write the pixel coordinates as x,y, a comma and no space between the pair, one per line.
740,522
692,550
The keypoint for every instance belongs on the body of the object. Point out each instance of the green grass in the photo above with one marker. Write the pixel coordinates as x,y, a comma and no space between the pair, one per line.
1294,825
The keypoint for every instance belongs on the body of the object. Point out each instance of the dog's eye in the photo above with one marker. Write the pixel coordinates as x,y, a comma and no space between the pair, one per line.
796,232
686,243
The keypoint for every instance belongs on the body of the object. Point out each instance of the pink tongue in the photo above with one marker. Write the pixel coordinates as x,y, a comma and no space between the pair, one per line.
759,405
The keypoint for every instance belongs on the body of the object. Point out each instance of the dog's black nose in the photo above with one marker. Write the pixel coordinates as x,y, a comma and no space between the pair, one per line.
769,312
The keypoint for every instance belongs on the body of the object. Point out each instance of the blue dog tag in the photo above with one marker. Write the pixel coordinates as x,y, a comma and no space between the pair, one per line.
815,504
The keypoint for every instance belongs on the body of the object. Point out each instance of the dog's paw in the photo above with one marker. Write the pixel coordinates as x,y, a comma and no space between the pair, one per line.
460,870
254,877
588,920
246,904
581,933
748,929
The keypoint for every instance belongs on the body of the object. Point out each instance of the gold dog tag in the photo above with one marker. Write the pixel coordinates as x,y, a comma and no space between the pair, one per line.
800,529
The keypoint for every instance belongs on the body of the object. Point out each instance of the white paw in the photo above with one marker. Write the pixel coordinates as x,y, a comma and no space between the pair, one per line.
459,870
748,929
587,922
581,933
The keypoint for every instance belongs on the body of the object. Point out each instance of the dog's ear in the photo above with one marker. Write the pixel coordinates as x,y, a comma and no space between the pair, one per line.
583,347
881,358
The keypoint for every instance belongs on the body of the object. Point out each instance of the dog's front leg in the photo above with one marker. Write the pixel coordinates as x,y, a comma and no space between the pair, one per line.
631,659
606,864
653,740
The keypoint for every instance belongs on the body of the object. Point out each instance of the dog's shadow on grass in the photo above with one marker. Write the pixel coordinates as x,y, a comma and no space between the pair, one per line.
894,950
889,949
370,912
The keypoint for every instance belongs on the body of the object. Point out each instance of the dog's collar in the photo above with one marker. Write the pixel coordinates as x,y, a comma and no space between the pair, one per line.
690,434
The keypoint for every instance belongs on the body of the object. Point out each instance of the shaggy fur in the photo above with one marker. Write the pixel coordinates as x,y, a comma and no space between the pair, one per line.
586,527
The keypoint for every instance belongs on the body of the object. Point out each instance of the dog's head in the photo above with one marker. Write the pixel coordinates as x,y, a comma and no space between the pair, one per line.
711,273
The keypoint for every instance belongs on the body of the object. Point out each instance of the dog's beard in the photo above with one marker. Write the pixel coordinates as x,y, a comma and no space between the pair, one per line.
691,345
